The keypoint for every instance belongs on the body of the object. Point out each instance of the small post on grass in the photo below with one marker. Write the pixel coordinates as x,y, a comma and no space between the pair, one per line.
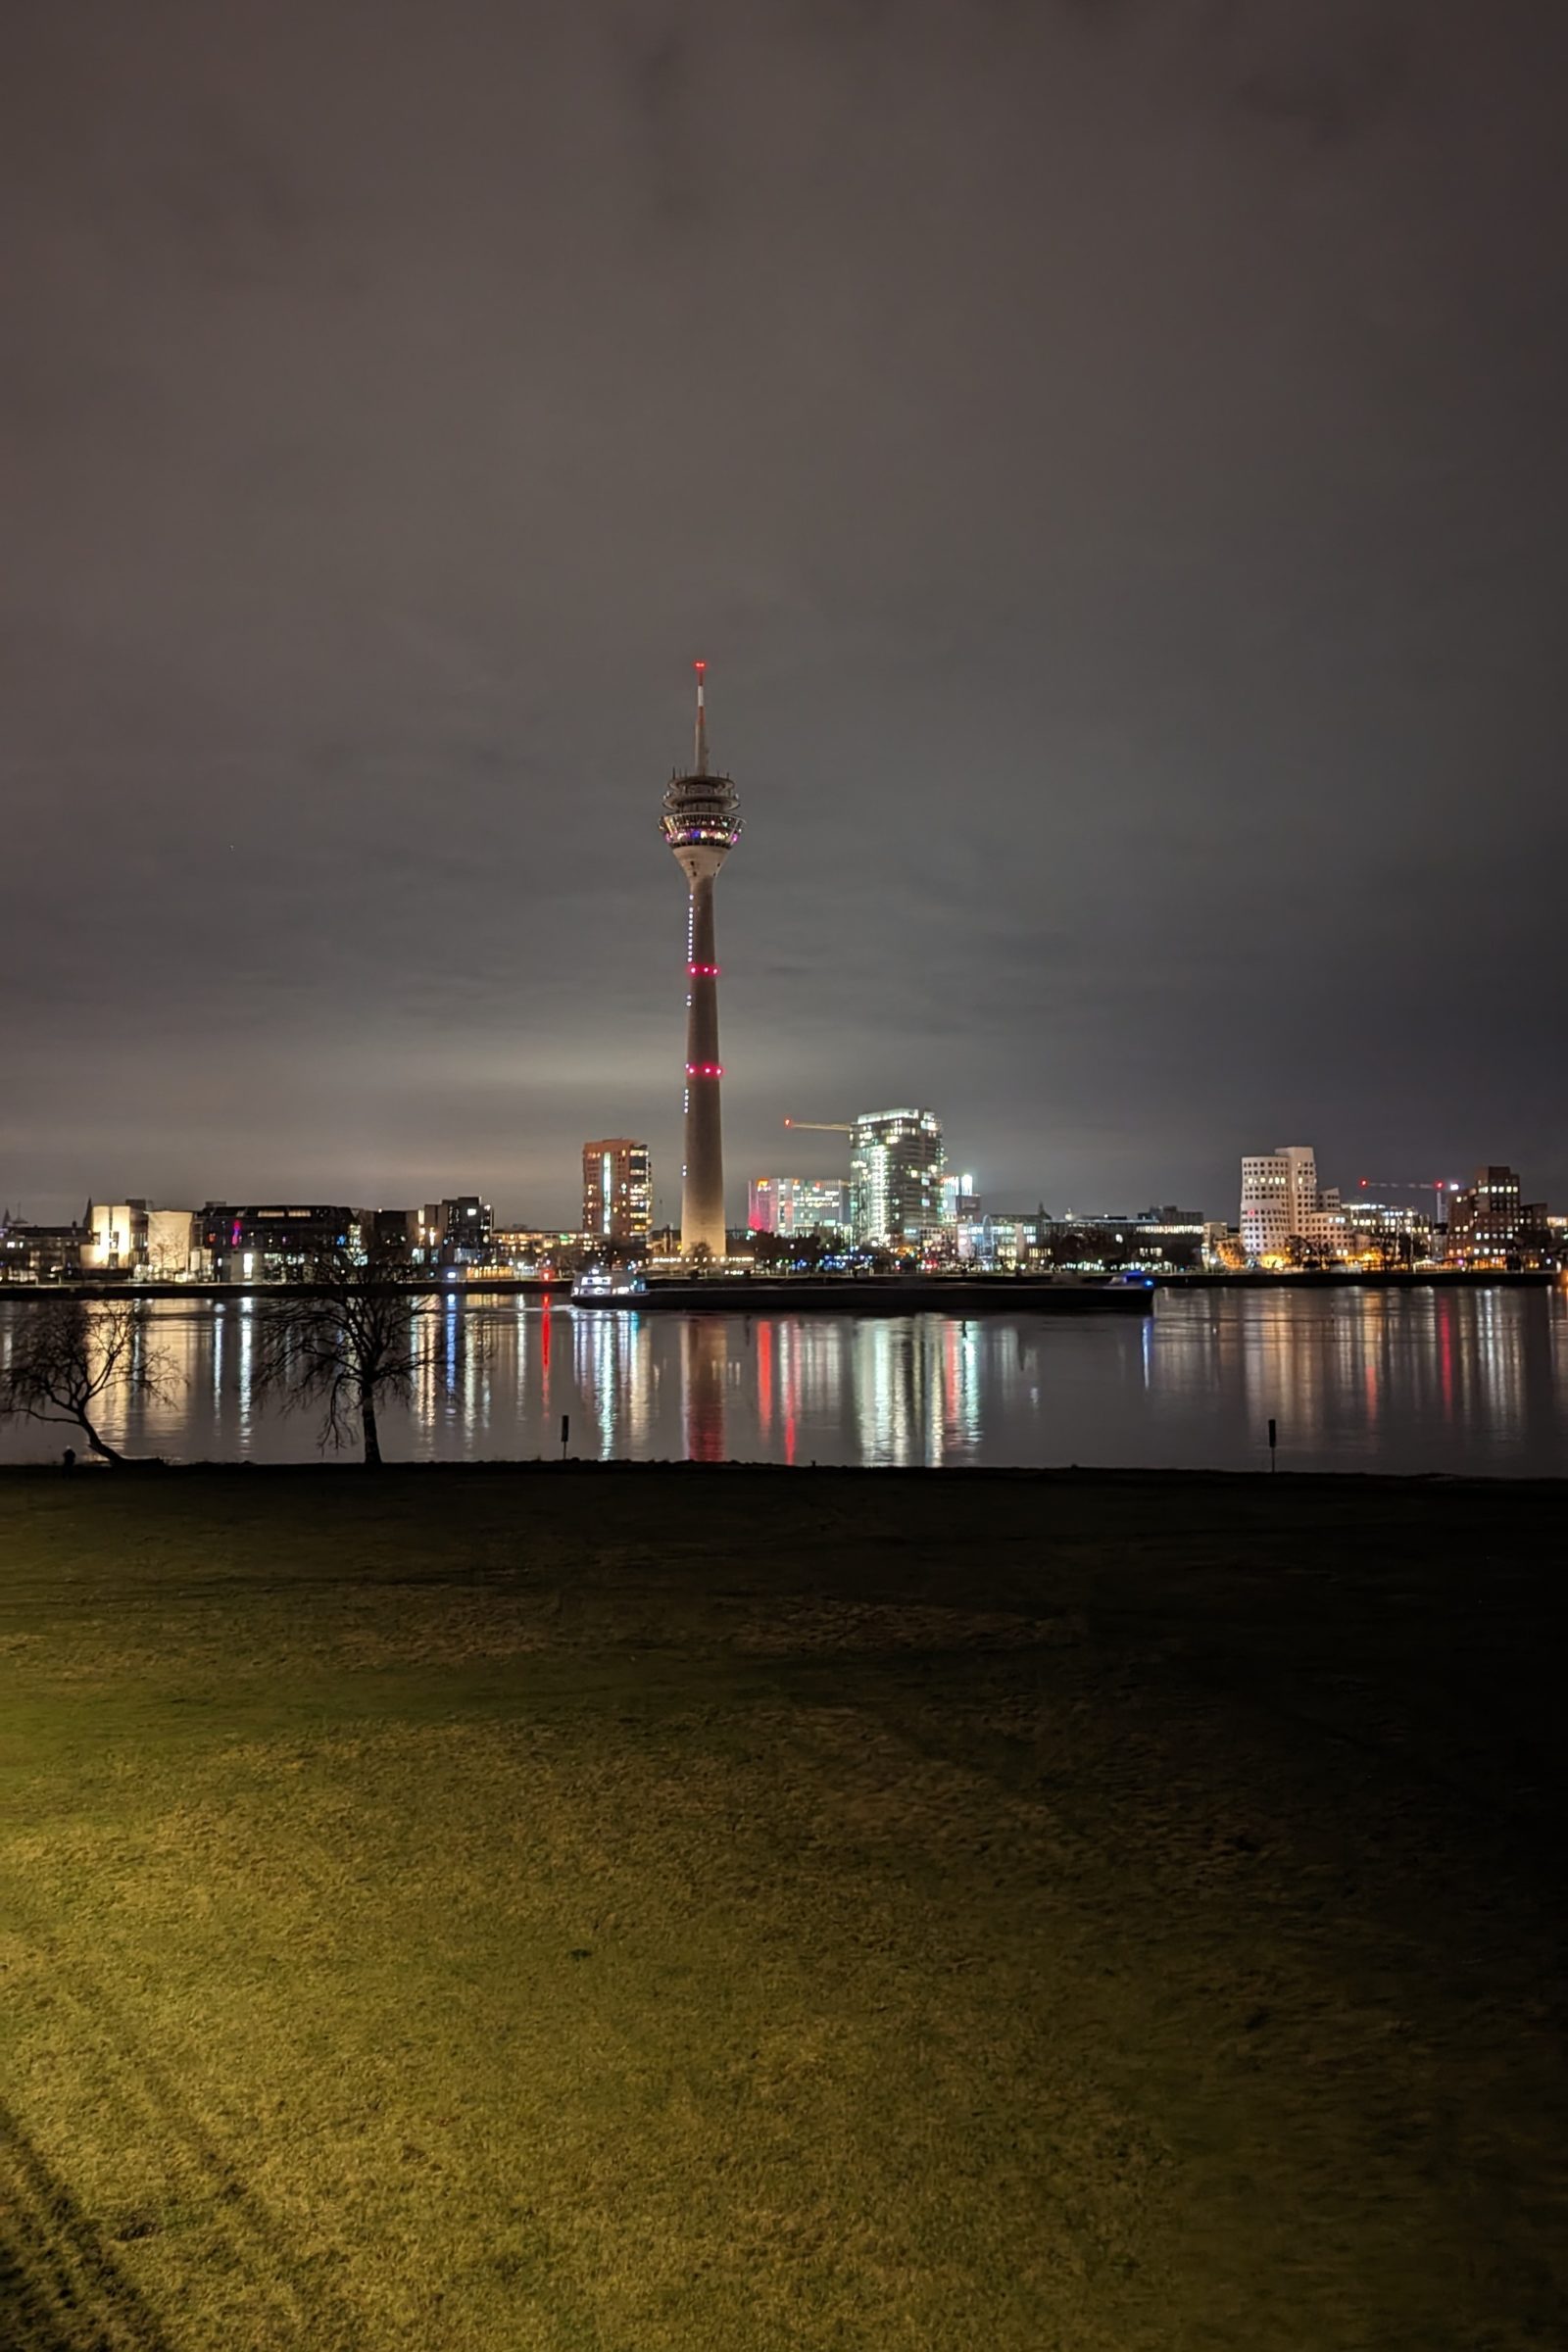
565,1432
1273,1441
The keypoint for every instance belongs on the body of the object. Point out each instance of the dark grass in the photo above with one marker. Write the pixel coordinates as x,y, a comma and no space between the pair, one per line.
693,1908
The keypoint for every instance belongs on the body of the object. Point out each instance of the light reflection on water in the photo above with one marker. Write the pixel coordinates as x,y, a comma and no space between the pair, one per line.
1363,1380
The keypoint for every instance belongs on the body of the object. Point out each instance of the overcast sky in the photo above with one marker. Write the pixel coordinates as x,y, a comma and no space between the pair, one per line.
1109,452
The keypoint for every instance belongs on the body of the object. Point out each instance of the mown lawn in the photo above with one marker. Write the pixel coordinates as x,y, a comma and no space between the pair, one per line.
689,1911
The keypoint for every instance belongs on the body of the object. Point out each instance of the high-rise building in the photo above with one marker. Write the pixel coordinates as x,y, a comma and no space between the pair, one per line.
789,1206
618,1190
896,1169
701,825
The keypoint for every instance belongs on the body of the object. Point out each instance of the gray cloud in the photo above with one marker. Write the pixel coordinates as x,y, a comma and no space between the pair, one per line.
1110,455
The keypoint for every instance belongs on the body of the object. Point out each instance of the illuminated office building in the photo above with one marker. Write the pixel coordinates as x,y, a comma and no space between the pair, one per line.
252,1243
618,1190
1492,1224
896,1169
791,1205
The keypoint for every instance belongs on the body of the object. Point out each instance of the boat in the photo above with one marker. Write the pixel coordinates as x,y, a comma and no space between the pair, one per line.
604,1286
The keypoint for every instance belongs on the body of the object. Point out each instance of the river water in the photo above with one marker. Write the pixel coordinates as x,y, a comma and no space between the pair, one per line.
1473,1381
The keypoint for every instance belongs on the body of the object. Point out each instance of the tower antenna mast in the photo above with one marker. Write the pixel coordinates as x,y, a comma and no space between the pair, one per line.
700,752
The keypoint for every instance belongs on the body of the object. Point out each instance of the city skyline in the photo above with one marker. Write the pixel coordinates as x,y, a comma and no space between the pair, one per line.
1138,635
900,1202
899,1193
1299,1194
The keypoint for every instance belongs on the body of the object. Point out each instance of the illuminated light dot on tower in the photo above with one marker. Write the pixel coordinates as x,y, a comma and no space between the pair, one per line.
701,825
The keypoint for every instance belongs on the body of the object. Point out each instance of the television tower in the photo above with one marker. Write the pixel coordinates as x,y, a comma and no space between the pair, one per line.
701,825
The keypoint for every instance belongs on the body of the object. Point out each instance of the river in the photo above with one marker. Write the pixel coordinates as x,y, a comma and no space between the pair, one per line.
1472,1381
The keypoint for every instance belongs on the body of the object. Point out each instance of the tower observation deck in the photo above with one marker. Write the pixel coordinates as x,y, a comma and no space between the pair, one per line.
701,825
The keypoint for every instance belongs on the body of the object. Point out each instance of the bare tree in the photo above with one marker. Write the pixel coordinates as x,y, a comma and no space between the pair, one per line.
67,1356
343,1336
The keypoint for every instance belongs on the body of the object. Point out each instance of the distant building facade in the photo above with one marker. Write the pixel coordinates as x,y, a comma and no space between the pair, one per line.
618,1190
1492,1224
1163,1235
455,1231
794,1205
41,1252
267,1243
1164,1238
897,1163
1003,1242
961,1202
117,1236
526,1250
131,1237
170,1243
1021,1241
389,1236
1378,1236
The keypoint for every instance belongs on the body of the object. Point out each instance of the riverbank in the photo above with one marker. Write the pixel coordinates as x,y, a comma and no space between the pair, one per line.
699,1909
857,1293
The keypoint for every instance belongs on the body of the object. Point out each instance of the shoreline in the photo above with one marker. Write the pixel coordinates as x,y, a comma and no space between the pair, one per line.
873,1293
1076,1475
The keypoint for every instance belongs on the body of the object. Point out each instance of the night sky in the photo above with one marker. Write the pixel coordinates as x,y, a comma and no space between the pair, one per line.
1111,453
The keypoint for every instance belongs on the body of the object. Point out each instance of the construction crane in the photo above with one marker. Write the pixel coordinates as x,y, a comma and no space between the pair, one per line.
823,1126
1438,1185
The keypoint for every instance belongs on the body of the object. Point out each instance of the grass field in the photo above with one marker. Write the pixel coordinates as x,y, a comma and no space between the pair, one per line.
710,1910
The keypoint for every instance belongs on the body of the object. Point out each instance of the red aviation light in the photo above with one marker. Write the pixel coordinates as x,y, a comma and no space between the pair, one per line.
705,1069
702,971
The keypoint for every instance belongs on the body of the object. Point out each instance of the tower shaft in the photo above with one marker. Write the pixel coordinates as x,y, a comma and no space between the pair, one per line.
701,1197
